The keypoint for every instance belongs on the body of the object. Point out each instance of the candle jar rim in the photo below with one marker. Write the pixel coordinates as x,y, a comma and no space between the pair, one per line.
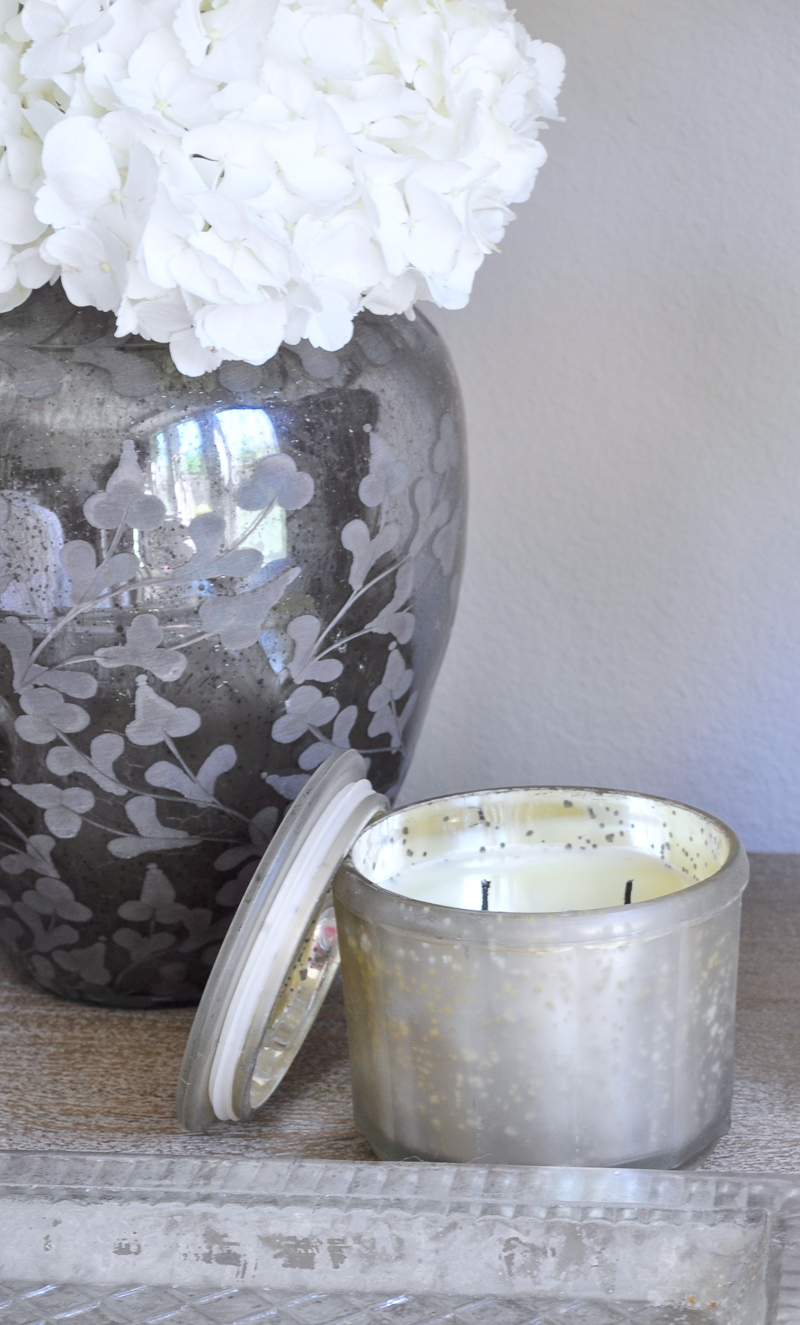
653,915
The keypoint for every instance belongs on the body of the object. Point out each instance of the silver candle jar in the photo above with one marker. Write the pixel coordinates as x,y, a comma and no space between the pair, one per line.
585,1037
531,976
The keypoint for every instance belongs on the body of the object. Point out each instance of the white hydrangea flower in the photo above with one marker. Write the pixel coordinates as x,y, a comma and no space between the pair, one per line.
228,174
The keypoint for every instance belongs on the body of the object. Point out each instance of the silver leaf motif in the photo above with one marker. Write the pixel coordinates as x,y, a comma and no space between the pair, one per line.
45,938
157,718
143,648
125,501
277,479
89,963
239,619
394,619
47,715
36,856
316,754
207,533
200,788
387,476
153,836
305,631
62,807
98,765
89,583
51,897
366,551
305,709
397,680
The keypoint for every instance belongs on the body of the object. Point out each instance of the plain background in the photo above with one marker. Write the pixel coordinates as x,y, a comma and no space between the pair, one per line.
630,613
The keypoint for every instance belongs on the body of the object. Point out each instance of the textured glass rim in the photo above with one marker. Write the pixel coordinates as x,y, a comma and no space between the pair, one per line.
511,929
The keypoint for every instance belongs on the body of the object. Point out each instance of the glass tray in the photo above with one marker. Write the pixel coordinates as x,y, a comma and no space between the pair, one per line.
128,1240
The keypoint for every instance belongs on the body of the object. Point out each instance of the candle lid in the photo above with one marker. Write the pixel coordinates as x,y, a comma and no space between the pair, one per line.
279,956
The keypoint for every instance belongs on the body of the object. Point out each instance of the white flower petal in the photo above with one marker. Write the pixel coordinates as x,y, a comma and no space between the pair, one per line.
252,333
227,173
32,269
80,174
192,358
93,265
339,45
18,223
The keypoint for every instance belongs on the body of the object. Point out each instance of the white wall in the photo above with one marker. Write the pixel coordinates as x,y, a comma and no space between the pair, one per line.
630,614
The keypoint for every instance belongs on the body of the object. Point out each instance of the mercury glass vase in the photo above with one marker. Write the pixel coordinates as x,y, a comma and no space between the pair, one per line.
207,587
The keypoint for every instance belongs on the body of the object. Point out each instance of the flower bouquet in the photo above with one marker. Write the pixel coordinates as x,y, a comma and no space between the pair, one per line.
227,175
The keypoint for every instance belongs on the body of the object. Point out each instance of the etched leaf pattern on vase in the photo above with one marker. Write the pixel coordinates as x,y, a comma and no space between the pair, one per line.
235,592
379,563
206,589
47,718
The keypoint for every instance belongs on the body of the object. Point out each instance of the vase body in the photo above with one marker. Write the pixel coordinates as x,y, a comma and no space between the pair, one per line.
207,587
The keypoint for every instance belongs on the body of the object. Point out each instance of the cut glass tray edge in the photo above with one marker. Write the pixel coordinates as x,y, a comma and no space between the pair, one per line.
337,1226
24,1173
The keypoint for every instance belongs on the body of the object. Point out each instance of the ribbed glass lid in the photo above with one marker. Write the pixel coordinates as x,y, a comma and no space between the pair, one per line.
279,956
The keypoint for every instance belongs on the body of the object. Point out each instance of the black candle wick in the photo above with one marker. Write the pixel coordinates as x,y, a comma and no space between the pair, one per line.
485,886
628,891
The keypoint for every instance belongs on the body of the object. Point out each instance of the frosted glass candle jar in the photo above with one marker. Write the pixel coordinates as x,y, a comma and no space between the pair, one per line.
542,1019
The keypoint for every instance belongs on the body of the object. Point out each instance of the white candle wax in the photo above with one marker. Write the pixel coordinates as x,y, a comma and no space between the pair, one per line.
540,878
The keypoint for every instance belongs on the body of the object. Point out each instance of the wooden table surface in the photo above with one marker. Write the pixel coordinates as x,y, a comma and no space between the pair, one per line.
93,1079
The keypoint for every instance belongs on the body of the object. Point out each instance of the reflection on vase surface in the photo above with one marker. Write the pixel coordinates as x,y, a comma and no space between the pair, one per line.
207,587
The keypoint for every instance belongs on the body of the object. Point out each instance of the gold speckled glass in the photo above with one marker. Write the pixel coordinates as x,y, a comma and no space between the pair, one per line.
574,1037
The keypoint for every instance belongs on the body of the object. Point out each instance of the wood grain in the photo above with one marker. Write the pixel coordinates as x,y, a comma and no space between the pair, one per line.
98,1079
95,1079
